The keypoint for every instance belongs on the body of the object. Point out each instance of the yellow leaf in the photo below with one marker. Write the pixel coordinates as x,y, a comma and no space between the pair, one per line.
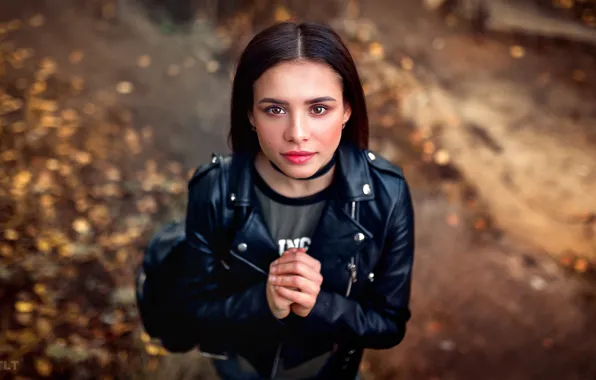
11,234
124,87
22,179
43,245
376,50
282,14
43,366
517,51
145,338
152,349
81,226
39,289
23,307
66,251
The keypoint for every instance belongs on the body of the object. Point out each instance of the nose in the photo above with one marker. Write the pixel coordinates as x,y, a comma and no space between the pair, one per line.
297,130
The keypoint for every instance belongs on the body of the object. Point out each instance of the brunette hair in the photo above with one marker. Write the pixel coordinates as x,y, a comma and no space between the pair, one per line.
289,41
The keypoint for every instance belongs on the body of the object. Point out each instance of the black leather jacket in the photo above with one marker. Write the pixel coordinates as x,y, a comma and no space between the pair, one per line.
364,241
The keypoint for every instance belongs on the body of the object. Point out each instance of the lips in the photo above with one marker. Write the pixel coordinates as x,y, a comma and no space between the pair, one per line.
298,157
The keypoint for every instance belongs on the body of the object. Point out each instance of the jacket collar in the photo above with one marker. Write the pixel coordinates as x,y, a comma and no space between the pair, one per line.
352,174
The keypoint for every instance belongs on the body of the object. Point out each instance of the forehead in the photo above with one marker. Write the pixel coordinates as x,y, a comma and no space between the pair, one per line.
298,79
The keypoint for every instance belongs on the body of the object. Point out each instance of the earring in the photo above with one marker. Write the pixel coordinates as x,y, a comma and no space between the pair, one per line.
254,129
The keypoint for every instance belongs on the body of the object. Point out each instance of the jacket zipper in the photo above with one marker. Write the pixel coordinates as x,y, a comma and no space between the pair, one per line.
353,275
276,361
352,264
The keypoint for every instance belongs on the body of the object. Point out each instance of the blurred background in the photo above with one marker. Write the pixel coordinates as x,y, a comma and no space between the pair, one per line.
107,106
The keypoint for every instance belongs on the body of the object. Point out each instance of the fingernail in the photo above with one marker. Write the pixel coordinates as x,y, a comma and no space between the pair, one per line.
272,278
273,269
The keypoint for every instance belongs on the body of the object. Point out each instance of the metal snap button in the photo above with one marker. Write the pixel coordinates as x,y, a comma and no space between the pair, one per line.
232,197
366,189
214,159
371,156
242,247
371,277
359,236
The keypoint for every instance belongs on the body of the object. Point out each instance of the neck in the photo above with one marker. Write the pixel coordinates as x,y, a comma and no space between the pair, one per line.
288,186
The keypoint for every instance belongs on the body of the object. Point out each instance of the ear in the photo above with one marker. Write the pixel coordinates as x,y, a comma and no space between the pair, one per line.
347,113
251,118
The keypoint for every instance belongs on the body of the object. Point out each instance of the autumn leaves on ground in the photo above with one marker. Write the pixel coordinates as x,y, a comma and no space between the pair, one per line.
80,193
85,181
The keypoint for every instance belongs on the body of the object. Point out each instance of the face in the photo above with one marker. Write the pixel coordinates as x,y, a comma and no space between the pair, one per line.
299,113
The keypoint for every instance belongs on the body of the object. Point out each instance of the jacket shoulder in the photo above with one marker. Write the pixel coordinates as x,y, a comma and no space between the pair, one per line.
378,163
209,169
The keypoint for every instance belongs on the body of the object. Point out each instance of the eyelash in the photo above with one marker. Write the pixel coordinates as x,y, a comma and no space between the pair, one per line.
325,109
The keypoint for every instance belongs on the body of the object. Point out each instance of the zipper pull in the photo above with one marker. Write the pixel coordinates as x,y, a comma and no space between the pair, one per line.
353,276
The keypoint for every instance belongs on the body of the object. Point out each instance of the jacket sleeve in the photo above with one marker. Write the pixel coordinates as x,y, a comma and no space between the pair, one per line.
201,301
380,321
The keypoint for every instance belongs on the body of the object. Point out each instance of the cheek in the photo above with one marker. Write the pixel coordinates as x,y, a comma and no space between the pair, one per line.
268,133
331,135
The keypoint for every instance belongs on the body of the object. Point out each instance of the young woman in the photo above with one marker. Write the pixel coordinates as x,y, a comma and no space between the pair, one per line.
300,244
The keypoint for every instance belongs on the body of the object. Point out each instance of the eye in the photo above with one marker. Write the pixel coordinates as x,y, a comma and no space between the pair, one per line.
275,110
319,110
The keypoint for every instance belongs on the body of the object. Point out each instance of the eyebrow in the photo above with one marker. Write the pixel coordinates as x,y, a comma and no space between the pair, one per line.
310,101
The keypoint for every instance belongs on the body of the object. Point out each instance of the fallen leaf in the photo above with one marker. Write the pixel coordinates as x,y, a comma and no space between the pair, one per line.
442,157
480,224
39,289
407,63
37,20
453,220
43,366
11,234
43,245
173,70
76,56
376,50
81,226
24,306
125,87
145,338
44,326
144,61
517,51
581,265
212,66
282,14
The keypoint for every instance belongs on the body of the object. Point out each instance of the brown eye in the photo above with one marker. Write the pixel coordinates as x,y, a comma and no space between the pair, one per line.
319,110
275,110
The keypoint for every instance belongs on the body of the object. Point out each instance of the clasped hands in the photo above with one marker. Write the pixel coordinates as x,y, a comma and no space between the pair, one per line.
294,283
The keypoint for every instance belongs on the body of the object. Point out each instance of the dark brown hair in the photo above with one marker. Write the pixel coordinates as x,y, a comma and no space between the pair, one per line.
288,41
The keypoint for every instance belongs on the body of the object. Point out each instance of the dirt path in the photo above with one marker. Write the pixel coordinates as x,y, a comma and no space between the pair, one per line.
484,306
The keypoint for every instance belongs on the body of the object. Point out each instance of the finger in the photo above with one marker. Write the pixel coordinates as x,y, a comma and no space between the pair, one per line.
301,255
304,299
301,283
298,268
279,301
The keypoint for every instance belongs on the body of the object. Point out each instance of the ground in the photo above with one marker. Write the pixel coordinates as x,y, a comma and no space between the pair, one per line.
105,113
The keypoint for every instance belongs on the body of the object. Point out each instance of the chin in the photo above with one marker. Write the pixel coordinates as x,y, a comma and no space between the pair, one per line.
299,173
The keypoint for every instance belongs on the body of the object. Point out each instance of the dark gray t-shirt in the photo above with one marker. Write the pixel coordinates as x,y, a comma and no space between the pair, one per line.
291,222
